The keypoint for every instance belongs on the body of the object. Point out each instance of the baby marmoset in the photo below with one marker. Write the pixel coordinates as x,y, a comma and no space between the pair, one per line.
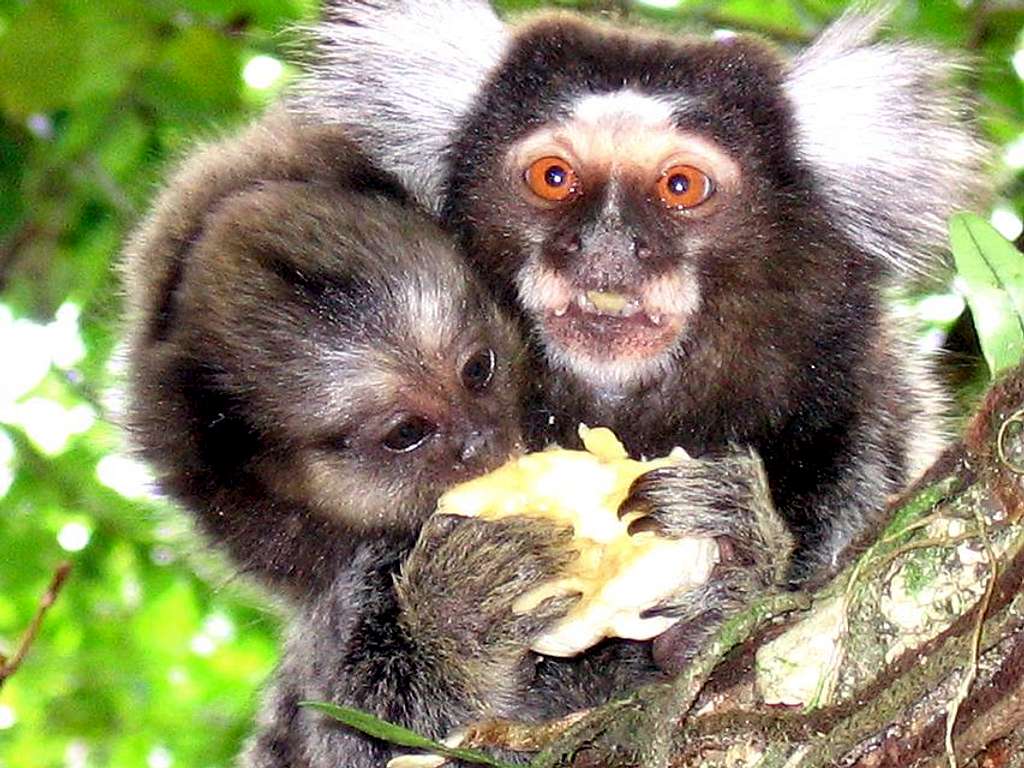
311,365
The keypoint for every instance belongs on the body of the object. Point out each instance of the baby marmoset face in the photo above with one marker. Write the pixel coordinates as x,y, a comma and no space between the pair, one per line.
364,369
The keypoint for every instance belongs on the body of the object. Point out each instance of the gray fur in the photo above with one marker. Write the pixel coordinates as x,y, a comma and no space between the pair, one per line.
398,76
887,130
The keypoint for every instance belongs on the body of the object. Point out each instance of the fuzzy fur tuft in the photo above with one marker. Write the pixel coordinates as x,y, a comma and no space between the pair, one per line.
889,137
399,76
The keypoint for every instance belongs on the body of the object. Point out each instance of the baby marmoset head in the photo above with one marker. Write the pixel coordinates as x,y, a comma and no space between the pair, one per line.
327,350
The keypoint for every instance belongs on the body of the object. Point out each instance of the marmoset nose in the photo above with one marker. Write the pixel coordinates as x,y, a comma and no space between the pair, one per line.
475,446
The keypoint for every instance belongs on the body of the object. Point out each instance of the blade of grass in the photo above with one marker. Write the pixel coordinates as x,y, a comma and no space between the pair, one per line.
403,737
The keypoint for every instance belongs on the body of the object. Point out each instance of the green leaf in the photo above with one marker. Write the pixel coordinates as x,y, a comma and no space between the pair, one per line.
991,276
396,734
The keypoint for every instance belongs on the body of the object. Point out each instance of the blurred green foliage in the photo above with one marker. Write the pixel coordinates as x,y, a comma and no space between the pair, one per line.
153,654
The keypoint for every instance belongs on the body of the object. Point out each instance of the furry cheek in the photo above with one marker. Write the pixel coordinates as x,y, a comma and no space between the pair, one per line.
542,289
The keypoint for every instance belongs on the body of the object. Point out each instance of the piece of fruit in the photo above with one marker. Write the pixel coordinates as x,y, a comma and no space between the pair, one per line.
618,575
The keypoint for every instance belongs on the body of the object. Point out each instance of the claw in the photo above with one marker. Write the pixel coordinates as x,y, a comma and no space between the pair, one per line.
645,525
656,612
632,505
637,497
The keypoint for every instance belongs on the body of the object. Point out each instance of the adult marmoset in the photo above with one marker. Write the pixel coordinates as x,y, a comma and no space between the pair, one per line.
697,236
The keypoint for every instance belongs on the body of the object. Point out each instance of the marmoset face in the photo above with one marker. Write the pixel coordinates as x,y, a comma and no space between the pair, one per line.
369,358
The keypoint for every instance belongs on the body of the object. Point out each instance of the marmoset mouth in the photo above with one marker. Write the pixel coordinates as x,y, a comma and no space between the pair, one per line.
609,327
609,304
611,334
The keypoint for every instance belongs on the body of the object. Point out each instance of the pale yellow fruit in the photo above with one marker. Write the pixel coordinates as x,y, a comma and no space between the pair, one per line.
618,575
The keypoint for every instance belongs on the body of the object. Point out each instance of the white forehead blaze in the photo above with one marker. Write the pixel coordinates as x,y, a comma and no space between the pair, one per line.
624,131
629,105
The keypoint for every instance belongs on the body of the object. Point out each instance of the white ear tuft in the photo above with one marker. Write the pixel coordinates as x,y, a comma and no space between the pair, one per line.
400,75
889,137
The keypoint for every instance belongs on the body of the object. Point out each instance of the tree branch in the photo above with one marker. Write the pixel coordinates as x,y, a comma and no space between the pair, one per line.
10,665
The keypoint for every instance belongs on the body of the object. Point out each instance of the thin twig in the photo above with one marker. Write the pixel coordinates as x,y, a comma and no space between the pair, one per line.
929,543
971,673
12,245
8,666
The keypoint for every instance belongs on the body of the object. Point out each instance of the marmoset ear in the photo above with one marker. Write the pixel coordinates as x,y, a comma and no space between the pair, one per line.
888,133
399,75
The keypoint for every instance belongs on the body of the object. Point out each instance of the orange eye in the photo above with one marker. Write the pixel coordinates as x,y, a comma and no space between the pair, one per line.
683,186
552,178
